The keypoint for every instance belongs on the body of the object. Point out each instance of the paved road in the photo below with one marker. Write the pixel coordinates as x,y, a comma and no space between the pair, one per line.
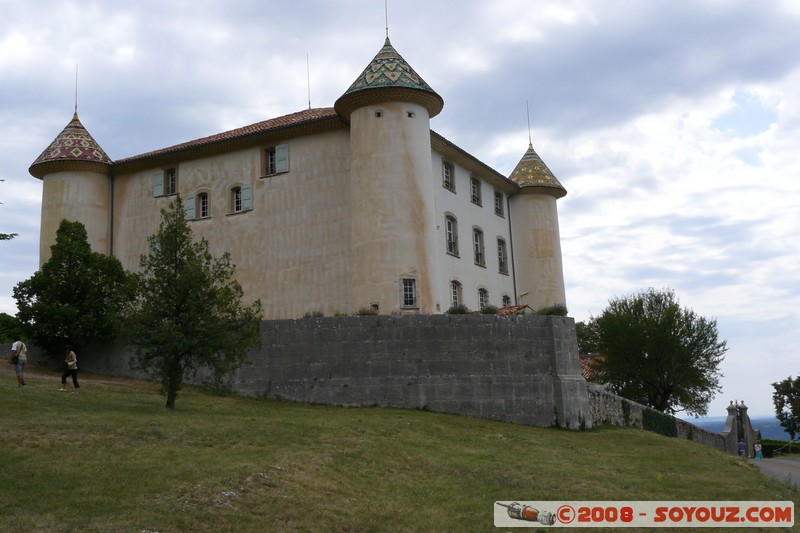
782,469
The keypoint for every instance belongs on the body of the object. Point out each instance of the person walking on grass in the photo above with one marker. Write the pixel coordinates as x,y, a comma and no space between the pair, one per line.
19,356
71,361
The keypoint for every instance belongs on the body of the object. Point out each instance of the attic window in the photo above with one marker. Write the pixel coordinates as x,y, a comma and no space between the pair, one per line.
410,114
378,114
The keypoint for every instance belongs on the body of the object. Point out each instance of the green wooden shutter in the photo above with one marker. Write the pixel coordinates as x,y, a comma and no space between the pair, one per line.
158,183
188,207
247,197
281,158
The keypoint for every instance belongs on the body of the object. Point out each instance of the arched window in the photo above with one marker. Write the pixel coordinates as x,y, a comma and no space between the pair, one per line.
506,300
483,298
451,234
455,293
202,205
241,198
502,257
236,199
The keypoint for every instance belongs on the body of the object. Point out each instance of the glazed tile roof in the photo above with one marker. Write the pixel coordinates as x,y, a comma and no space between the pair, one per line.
532,174
306,116
388,70
73,145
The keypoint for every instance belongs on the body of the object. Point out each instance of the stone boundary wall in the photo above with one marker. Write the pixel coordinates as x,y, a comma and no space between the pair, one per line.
607,408
522,369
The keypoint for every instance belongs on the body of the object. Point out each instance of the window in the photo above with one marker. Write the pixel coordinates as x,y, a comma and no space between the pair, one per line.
241,199
451,234
202,204
477,246
498,204
502,257
276,159
506,300
170,181
236,199
165,182
483,298
448,176
455,293
409,293
475,190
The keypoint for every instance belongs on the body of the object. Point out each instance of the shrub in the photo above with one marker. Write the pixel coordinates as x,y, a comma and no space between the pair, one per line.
489,310
769,447
555,309
658,422
459,309
313,314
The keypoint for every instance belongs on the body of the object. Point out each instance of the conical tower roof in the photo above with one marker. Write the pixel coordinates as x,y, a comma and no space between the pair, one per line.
73,149
388,77
532,175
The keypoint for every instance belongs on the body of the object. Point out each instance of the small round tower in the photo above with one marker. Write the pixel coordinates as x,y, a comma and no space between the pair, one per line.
537,242
76,186
393,225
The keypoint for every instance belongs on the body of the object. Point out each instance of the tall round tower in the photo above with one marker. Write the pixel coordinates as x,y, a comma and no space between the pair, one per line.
393,225
76,186
537,243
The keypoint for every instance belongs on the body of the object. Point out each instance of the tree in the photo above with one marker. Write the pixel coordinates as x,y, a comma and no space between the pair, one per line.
658,354
786,399
9,328
188,313
77,297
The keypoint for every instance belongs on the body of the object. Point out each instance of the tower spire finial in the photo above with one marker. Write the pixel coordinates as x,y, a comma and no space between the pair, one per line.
528,110
76,88
308,77
386,12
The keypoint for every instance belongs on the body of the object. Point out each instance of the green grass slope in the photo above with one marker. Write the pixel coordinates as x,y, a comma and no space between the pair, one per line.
112,458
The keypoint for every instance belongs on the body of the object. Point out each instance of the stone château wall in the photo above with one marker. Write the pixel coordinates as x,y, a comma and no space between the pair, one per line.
608,408
522,369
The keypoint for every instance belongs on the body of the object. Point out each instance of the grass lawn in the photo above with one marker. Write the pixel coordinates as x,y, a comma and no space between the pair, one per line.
112,458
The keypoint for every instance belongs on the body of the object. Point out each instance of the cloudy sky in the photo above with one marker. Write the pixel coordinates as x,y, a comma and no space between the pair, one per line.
675,126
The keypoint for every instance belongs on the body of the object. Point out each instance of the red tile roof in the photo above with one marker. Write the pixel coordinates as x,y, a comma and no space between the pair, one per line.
306,116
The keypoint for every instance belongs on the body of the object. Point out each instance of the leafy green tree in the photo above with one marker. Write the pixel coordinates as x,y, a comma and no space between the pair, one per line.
587,343
9,328
786,399
658,354
77,297
188,313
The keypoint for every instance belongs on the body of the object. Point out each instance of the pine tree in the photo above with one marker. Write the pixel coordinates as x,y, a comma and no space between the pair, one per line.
188,313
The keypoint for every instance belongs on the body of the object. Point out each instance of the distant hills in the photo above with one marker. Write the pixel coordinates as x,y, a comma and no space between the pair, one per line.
769,426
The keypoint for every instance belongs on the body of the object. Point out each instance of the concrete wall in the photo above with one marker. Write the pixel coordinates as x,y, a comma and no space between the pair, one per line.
520,369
